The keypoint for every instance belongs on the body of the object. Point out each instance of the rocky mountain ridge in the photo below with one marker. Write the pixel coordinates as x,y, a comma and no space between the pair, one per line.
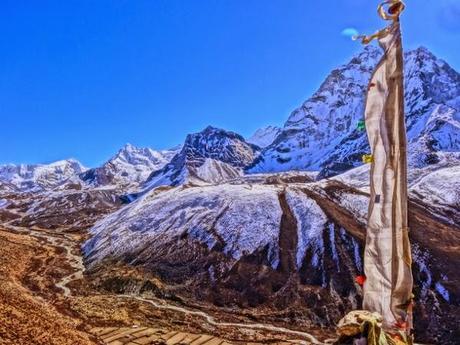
129,167
320,135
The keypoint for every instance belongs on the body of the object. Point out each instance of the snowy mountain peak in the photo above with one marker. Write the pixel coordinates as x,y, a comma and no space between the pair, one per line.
322,133
128,148
131,154
129,167
211,155
219,144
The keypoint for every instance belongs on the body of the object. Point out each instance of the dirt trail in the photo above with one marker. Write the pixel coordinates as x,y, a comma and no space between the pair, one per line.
61,241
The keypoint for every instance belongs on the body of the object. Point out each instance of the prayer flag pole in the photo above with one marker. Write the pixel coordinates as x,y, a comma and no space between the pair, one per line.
387,289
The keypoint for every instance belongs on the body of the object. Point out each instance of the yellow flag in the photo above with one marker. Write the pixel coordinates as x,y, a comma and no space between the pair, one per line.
367,159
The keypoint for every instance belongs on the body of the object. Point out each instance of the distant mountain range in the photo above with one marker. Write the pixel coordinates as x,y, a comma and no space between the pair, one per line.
129,167
321,135
37,177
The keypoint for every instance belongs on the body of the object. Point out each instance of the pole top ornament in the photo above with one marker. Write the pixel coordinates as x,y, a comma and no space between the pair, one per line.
387,10
395,8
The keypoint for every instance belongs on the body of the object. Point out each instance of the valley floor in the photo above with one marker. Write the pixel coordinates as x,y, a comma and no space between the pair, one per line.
45,299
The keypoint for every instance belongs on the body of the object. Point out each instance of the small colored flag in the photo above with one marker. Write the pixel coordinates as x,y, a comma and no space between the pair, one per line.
367,159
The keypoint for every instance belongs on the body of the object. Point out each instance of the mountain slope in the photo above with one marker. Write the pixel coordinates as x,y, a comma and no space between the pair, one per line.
278,245
264,136
322,134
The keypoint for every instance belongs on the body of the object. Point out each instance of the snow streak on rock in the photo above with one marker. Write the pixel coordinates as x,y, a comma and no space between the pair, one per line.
311,222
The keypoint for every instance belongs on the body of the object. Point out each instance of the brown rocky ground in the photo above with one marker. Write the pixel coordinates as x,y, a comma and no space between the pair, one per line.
25,316
145,335
34,311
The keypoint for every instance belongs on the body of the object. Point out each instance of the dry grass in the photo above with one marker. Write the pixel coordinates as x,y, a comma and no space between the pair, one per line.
25,317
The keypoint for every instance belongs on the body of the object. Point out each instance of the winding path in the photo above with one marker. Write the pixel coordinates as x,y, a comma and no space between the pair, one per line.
209,319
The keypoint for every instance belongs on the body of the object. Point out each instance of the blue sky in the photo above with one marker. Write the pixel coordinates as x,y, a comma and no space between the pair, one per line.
80,78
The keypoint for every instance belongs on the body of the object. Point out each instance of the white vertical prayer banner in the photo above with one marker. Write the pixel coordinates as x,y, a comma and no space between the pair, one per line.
387,257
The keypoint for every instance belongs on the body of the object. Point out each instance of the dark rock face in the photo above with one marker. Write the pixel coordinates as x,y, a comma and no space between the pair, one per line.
97,176
225,146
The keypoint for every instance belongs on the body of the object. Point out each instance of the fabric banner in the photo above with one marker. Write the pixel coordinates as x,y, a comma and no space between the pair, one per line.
387,257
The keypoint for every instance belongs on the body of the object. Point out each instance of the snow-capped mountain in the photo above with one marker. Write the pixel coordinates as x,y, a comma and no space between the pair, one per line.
129,167
212,155
37,177
322,134
264,136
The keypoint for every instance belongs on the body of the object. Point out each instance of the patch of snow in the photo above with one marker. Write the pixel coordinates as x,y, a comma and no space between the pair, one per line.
311,222
214,171
335,255
440,187
442,291
357,255
242,219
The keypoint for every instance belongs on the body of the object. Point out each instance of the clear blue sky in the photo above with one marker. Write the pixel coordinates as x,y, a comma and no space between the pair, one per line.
80,78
